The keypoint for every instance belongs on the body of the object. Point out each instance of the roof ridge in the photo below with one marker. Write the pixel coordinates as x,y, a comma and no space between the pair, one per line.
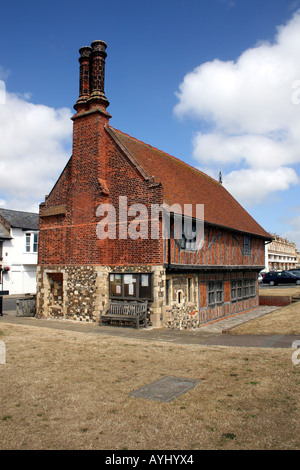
14,210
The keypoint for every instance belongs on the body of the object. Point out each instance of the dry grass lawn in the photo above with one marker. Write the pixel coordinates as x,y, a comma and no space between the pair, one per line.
289,291
285,321
67,390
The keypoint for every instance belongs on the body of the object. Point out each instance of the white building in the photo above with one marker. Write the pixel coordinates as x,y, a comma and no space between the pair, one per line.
281,254
18,251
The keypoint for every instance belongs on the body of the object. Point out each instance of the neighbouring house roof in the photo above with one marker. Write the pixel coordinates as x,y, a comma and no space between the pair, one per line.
19,219
4,234
184,184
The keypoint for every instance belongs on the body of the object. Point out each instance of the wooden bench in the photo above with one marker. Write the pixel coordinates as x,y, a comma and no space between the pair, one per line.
125,312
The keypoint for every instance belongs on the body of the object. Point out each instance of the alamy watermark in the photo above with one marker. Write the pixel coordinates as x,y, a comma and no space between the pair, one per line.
296,354
2,92
2,353
296,94
139,221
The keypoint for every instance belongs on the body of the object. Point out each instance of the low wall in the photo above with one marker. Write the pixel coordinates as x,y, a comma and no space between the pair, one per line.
275,300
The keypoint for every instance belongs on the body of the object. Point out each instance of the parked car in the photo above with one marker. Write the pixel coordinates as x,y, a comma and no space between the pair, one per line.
260,277
283,277
294,271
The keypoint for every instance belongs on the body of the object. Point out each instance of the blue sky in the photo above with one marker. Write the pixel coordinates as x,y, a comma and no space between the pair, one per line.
209,81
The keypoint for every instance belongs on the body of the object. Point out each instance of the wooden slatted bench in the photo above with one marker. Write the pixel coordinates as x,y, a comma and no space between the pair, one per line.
125,312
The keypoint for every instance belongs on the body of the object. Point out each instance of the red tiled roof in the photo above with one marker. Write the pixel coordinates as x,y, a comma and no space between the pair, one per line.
183,184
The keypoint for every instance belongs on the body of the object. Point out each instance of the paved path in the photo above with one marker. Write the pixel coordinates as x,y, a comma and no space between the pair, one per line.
213,334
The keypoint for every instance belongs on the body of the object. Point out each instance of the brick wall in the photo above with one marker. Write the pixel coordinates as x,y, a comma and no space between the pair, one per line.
98,173
275,300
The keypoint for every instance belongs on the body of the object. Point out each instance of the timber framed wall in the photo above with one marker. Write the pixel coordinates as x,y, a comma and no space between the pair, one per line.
194,299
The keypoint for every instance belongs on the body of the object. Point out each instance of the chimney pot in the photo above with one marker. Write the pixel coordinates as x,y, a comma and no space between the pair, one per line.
98,57
92,73
99,46
84,80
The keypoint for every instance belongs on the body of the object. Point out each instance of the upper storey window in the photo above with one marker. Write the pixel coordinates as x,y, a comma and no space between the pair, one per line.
247,245
187,232
31,242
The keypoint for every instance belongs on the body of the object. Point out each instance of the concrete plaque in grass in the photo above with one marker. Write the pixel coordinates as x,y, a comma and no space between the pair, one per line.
165,389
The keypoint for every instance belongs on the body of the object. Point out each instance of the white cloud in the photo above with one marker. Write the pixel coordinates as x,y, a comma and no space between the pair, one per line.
35,145
257,151
252,108
252,186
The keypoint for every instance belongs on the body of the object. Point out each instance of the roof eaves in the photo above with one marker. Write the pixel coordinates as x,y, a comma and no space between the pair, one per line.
4,234
20,219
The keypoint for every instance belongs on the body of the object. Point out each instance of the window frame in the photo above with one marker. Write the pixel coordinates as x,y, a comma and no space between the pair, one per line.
242,289
168,290
35,242
31,242
215,293
28,242
247,245
187,243
138,286
183,241
189,289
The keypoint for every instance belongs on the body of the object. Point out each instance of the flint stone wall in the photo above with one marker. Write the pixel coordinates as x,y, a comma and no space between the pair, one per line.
83,291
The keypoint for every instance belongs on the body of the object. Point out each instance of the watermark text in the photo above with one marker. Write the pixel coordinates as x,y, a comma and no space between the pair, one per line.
2,92
296,94
2,353
296,354
139,221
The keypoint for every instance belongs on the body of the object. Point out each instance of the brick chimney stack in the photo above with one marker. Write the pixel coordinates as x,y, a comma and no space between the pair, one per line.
91,77
84,80
90,138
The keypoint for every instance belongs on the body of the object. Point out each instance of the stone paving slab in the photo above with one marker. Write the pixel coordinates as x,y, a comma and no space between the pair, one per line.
237,319
253,341
165,389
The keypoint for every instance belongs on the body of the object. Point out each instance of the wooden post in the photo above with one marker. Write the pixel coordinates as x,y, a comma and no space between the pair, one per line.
2,292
